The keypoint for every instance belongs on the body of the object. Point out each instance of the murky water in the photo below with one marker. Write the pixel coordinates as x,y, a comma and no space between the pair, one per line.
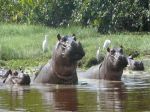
132,94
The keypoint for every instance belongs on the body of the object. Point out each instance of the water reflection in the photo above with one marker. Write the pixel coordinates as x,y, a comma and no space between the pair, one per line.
130,95
66,99
106,96
111,98
39,98
61,99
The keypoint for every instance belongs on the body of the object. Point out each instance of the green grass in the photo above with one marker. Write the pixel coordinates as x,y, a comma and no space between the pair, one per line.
20,45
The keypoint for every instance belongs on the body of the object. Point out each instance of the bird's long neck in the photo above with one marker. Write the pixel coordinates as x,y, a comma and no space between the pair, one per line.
46,38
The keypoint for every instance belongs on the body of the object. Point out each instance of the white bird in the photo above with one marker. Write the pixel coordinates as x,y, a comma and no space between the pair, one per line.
106,44
45,44
98,54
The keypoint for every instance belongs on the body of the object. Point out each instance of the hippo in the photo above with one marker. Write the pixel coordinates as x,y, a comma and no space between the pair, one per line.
15,77
111,67
61,68
134,64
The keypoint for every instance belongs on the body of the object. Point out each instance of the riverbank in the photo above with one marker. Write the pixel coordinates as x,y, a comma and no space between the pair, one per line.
21,45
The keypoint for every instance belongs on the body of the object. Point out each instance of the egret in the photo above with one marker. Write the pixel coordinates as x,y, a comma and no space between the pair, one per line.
45,44
106,44
98,54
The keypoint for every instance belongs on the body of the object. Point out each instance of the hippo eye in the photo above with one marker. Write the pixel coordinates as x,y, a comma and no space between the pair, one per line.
112,51
64,39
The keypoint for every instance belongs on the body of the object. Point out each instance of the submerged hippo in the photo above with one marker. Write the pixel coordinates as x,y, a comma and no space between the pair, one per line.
15,77
61,69
111,68
134,64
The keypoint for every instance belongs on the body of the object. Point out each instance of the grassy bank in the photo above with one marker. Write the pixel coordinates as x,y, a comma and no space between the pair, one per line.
21,45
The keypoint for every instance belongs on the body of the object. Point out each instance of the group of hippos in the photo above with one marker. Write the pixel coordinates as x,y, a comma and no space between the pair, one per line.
62,67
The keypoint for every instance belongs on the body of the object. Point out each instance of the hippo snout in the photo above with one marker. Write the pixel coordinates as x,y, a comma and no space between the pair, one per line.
75,44
123,60
77,51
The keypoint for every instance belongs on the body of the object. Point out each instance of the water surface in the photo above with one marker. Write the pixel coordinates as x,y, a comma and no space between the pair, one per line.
132,94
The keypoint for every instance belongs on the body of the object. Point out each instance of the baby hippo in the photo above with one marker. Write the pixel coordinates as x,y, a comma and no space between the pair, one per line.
15,77
134,64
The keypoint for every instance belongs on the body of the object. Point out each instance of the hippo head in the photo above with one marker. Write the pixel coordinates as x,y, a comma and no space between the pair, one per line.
24,79
68,48
135,65
138,65
116,59
15,77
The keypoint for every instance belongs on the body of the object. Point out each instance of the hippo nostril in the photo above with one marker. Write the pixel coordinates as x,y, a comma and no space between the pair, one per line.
123,60
74,44
120,58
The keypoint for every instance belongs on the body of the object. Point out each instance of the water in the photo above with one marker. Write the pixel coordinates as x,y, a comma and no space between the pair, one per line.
132,94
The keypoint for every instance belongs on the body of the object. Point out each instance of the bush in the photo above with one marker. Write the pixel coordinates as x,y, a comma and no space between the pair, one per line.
106,15
52,13
113,15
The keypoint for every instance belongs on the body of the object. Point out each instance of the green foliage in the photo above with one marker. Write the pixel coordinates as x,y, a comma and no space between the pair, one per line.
114,15
106,15
2,63
48,12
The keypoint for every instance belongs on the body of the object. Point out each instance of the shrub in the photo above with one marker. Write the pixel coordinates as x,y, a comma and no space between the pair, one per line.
106,15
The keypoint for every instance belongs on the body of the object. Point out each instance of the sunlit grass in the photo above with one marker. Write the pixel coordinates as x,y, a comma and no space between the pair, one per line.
24,42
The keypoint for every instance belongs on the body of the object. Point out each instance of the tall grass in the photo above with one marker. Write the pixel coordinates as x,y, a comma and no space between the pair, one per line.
21,41
24,42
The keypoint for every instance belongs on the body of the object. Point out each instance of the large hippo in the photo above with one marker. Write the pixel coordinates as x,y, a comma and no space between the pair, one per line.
15,77
61,69
111,68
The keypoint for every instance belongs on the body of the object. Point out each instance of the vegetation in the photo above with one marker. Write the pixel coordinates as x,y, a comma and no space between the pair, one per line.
23,26
21,45
105,15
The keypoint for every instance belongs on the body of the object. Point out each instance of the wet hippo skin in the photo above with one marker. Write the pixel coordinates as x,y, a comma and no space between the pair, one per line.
111,68
61,68
135,64
15,77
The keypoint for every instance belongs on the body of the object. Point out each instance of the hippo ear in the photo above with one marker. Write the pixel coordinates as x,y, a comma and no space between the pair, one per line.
121,46
74,36
108,49
58,37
